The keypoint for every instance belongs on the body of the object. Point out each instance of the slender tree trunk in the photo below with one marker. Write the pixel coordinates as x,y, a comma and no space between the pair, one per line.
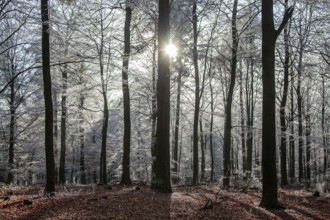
162,181
228,123
283,147
300,126
250,115
103,157
126,179
202,141
292,142
308,139
324,135
49,151
197,98
211,127
177,125
82,141
55,139
63,126
154,109
243,129
11,128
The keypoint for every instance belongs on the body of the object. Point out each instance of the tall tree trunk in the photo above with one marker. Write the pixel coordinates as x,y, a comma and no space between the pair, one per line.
211,126
228,126
126,179
283,147
154,108
202,140
291,139
300,126
197,98
269,36
324,135
243,129
103,157
249,115
162,181
63,126
49,151
55,139
82,141
177,125
11,127
308,139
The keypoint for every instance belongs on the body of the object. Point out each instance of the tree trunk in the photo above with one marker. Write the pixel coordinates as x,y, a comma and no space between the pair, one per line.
324,135
11,128
82,141
126,179
154,109
291,139
197,98
269,36
63,126
300,127
228,126
211,127
162,181
250,115
243,129
283,147
308,139
103,157
56,175
176,129
202,140
49,151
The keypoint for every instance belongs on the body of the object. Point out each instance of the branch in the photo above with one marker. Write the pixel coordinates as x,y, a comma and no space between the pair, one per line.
287,15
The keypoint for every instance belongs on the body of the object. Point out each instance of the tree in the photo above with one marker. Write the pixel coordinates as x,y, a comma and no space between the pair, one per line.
49,151
162,181
269,36
286,66
125,179
229,99
197,95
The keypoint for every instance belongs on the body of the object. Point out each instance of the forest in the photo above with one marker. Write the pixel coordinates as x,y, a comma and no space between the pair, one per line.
160,105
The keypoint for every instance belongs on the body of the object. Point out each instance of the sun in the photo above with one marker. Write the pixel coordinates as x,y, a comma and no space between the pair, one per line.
171,50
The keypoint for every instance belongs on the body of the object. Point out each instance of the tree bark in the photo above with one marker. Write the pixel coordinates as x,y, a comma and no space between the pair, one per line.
49,151
323,125
126,179
291,139
308,139
228,123
12,125
63,126
104,132
162,182
269,35
283,146
82,141
177,125
197,98
243,129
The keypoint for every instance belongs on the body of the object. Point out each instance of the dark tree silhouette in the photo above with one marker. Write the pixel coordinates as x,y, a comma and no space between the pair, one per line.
269,36
125,179
50,166
162,180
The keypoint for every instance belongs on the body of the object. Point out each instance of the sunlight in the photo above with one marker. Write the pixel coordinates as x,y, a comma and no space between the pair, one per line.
171,50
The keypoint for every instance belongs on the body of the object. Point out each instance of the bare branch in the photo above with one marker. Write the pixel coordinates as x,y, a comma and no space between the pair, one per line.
287,15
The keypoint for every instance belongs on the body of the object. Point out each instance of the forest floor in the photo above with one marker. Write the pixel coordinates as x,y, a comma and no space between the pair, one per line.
132,202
